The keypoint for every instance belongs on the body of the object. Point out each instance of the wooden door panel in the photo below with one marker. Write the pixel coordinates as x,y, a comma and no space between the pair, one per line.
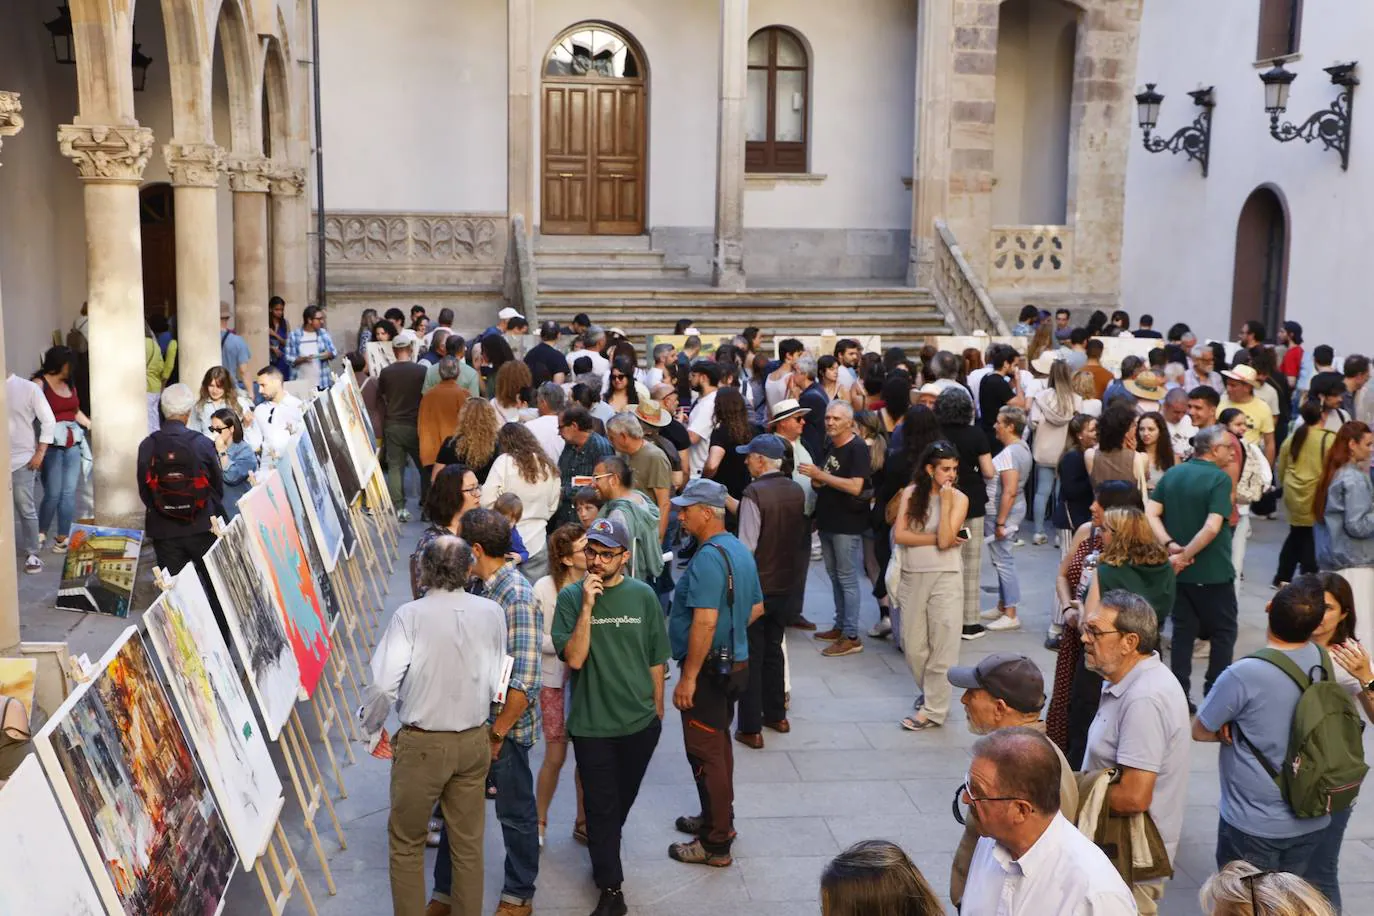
593,158
619,163
566,167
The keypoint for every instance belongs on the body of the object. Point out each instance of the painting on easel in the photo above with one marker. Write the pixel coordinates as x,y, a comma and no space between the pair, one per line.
319,446
40,867
99,569
324,416
322,517
313,557
144,819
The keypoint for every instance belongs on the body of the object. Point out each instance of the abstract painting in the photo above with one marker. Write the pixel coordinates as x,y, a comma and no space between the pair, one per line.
99,569
277,541
319,444
143,816
352,382
362,448
18,679
318,574
327,418
244,591
322,517
40,867
223,730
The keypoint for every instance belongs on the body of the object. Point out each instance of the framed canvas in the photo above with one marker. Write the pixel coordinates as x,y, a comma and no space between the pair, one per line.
339,456
143,817
40,867
319,444
19,679
53,683
379,356
361,447
319,508
99,569
352,381
244,591
223,730
277,541
314,561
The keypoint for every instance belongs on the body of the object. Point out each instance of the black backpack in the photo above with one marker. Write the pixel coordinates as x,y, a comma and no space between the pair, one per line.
175,477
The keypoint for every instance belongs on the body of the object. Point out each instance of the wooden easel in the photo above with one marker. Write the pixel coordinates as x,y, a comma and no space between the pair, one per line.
326,718
304,771
286,880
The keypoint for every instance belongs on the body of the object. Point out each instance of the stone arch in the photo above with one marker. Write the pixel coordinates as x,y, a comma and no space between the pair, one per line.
241,69
188,63
275,95
1263,239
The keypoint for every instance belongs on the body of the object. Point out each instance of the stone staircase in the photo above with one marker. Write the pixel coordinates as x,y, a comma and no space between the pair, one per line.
902,315
590,258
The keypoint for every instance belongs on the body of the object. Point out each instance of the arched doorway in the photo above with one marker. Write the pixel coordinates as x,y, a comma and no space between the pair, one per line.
1261,279
157,220
593,124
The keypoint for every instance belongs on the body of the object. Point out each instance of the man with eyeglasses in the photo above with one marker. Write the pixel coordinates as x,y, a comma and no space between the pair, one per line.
309,349
583,447
1031,860
609,629
1002,691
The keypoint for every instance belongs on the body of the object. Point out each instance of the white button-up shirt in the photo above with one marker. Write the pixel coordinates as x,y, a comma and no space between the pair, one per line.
27,404
1063,874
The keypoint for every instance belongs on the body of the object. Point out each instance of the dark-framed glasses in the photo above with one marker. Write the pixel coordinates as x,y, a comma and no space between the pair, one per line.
220,429
600,556
964,797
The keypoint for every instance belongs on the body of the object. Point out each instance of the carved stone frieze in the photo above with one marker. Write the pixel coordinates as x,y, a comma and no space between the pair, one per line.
104,153
194,165
248,174
285,180
11,120
413,239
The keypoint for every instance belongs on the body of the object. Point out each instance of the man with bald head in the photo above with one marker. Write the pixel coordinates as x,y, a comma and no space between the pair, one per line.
1031,860
842,516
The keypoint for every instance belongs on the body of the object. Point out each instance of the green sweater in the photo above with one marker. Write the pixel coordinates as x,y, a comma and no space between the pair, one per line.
1156,584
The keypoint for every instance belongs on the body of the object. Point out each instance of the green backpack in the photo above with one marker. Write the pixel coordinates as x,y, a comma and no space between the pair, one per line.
1324,766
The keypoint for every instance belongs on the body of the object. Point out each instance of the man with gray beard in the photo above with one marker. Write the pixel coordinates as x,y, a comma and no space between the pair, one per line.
1003,691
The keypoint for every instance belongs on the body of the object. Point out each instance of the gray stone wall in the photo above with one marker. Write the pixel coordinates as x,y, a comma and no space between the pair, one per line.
836,254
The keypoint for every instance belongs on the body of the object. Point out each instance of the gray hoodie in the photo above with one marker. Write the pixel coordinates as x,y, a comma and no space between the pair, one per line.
1345,536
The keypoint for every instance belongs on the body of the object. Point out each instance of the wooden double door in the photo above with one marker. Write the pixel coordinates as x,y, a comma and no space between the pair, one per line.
593,162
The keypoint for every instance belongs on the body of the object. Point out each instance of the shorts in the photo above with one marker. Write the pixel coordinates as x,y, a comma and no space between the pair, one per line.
551,711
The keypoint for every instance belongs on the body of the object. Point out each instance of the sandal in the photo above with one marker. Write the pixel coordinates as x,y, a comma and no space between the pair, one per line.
694,853
580,832
913,724
689,824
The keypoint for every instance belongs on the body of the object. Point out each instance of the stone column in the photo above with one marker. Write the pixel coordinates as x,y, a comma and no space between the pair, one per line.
195,170
519,110
11,122
110,161
727,264
930,152
249,181
289,214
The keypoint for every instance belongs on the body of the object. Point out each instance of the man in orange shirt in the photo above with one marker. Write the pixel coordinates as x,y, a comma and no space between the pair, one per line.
1102,376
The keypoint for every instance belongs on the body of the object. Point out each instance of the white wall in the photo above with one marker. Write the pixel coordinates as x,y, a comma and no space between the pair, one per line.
1181,229
863,74
413,98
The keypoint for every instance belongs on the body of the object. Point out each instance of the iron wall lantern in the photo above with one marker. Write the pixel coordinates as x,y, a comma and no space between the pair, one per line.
1330,125
61,31
1195,140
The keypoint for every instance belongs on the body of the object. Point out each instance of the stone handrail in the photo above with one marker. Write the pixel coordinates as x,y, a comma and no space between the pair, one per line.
962,297
524,292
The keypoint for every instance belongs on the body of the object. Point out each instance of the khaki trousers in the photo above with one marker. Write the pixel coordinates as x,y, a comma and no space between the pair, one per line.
971,559
932,606
450,768
1147,896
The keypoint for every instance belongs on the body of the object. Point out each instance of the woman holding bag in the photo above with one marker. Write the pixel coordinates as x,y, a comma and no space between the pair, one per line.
926,578
1050,413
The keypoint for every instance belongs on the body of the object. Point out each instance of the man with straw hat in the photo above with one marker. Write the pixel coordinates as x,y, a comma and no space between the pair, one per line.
1241,382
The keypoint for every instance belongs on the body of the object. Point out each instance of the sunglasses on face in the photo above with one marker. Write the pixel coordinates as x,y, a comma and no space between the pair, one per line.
219,429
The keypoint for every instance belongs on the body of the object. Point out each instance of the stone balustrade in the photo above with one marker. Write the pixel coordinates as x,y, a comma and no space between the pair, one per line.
1031,258
959,293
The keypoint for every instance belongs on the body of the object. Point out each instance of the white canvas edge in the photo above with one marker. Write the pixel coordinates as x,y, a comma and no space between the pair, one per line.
33,764
331,558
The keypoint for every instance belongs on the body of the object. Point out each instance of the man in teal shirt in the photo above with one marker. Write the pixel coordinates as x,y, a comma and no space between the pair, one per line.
717,598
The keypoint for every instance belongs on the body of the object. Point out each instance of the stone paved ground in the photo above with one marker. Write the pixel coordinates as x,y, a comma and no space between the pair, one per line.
846,772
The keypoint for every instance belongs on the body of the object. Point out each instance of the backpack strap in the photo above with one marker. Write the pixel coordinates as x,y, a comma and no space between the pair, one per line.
1287,666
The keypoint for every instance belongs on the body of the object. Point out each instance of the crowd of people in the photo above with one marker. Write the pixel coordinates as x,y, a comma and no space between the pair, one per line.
624,532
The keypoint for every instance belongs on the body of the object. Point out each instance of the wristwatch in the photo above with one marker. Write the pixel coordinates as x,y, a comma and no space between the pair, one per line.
1368,688
497,737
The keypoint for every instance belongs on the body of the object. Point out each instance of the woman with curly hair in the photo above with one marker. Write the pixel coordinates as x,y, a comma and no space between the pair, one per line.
622,393
453,493
522,468
474,445
733,429
512,391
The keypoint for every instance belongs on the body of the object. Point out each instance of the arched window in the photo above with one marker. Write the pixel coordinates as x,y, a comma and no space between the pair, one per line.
1280,25
778,103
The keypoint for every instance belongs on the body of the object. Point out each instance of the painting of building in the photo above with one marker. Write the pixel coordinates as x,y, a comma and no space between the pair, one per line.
99,570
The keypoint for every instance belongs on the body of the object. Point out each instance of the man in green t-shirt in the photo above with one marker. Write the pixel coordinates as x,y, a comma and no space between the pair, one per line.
1188,511
609,629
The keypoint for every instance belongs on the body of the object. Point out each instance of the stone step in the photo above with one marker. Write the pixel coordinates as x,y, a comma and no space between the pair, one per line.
580,257
607,272
591,243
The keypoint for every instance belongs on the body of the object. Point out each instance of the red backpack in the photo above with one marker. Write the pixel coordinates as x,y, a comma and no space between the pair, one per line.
176,479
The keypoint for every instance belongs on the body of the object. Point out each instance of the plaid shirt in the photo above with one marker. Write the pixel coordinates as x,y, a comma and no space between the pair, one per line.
524,638
326,344
579,462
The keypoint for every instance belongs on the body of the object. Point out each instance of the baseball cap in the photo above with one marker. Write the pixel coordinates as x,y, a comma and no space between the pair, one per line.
701,492
1014,679
404,340
768,445
507,313
609,534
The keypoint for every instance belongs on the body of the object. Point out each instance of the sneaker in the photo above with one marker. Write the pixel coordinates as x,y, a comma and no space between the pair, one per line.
506,908
974,631
59,545
1056,542
32,564
802,623
403,515
1018,542
1005,623
827,635
882,629
843,646
611,903
436,908
1040,539
991,614
694,853
752,740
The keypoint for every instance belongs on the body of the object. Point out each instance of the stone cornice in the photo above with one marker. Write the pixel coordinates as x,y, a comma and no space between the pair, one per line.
194,165
249,174
106,153
286,180
11,121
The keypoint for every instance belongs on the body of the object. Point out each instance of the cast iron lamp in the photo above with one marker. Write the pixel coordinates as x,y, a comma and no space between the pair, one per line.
1195,140
1330,125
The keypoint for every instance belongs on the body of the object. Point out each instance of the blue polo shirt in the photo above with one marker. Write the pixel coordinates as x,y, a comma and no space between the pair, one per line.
704,585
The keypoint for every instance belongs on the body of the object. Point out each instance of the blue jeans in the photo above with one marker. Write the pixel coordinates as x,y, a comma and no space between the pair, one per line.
1292,854
1045,475
519,825
61,474
1321,871
843,555
999,552
23,480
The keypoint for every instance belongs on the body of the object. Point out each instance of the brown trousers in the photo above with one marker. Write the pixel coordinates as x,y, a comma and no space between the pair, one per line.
450,768
710,753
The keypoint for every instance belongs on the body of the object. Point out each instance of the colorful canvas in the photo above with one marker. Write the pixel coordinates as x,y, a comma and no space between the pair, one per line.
18,679
99,569
223,730
144,818
327,418
314,562
360,446
277,540
357,393
319,444
244,590
319,507
40,866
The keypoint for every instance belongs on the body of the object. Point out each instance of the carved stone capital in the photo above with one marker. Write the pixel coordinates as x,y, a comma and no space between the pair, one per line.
249,174
104,153
286,180
11,121
194,165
